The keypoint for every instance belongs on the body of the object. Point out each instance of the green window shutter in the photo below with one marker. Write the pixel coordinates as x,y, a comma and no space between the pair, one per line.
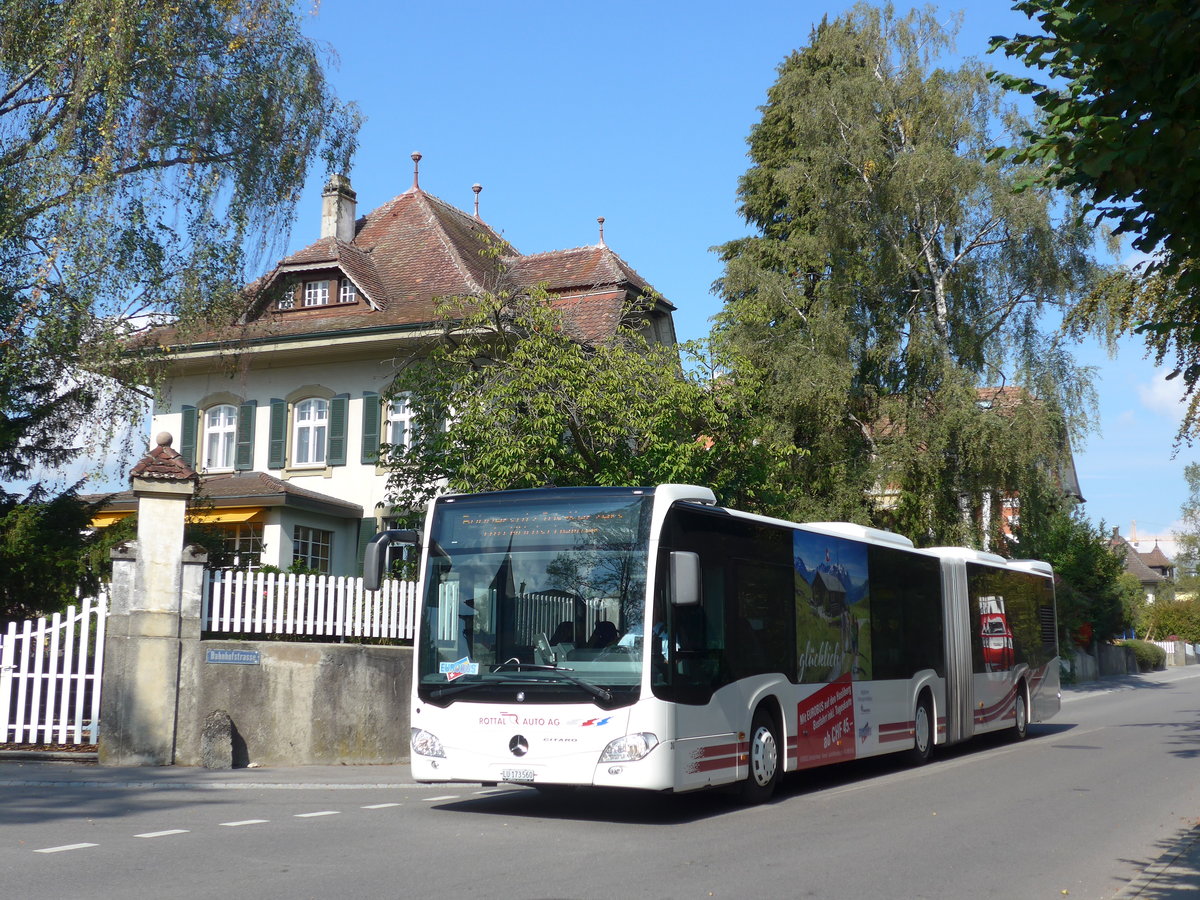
372,413
277,439
339,409
187,439
244,455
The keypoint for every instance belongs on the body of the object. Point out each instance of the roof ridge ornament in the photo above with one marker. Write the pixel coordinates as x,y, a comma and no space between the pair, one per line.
477,187
600,221
416,158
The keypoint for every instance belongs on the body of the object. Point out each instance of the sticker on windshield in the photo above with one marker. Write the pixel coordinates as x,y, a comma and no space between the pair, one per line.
458,669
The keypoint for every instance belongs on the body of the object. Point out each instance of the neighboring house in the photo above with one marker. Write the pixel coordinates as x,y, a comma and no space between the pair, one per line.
1002,401
282,411
1153,569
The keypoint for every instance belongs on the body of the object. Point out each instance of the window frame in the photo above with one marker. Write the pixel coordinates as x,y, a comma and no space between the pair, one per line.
347,291
307,544
402,417
227,433
309,427
314,295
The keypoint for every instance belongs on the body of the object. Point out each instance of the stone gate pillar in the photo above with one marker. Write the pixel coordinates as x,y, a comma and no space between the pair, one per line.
148,618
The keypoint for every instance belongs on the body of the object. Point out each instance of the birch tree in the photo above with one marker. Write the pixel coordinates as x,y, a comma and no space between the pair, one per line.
146,147
892,271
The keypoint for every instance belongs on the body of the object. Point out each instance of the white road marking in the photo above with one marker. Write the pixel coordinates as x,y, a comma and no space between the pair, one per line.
380,805
493,791
154,834
64,847
444,797
313,815
245,822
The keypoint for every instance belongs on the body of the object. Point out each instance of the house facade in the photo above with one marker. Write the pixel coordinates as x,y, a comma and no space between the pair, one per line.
283,411
1153,569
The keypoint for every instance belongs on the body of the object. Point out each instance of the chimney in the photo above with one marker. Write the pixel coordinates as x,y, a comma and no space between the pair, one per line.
338,209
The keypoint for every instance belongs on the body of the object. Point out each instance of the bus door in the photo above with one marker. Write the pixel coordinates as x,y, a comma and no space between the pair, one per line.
960,689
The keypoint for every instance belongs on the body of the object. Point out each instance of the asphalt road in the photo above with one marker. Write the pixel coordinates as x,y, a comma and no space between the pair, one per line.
1079,810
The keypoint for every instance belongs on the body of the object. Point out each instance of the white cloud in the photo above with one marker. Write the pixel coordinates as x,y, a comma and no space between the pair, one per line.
1163,397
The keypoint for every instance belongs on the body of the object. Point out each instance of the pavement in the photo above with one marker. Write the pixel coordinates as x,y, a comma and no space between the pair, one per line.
1173,876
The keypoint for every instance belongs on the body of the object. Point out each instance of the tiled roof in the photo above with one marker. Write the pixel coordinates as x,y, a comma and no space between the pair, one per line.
238,489
1156,559
1133,562
581,268
414,250
164,464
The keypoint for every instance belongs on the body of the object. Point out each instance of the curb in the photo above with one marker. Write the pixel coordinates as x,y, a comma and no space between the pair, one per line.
1174,881
85,758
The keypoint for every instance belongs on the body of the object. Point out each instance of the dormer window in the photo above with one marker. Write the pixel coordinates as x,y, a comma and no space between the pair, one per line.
316,293
347,292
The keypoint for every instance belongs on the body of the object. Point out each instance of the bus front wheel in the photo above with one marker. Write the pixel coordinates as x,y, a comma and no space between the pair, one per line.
764,760
922,731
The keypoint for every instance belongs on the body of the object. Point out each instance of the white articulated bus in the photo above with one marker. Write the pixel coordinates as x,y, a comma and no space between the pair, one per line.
647,638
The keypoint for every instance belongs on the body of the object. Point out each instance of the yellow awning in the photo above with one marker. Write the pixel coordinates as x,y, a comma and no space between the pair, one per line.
218,516
200,516
104,519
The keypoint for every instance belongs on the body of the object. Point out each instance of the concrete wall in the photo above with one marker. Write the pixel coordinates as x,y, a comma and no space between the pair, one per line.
302,704
296,704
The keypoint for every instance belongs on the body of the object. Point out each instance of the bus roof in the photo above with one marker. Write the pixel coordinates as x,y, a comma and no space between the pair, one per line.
859,533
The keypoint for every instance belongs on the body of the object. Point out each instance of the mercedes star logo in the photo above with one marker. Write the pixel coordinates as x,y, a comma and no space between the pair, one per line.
518,745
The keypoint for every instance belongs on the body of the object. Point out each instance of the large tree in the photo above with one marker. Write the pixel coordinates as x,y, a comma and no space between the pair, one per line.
148,151
894,270
508,397
1119,95
145,149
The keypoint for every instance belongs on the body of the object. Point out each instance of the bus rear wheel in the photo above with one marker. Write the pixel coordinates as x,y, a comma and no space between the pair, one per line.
1021,715
764,761
922,731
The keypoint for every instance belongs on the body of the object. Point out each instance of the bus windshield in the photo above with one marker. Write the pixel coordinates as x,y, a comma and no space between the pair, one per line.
539,591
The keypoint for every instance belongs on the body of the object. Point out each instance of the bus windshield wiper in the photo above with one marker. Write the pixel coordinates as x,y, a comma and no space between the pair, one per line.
594,689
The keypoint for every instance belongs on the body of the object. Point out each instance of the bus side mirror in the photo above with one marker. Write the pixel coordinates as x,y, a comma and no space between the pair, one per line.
375,556
685,578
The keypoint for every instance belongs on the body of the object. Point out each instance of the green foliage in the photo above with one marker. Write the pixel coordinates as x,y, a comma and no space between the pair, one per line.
1150,657
1188,537
1119,106
535,406
47,555
1167,619
144,146
894,270
1095,595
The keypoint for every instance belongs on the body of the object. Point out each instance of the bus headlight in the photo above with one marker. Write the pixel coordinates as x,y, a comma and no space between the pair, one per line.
426,744
630,748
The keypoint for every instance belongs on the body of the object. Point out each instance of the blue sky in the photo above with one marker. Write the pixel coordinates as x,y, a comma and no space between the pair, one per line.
638,112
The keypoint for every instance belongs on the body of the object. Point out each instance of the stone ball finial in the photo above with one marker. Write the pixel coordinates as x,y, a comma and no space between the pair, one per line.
163,439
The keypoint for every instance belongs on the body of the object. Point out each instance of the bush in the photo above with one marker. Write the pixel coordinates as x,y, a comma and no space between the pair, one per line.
1150,657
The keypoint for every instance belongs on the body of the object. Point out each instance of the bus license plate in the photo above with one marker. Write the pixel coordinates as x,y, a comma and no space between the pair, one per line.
516,774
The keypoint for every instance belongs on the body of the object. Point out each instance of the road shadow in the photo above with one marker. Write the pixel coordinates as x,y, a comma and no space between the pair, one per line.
630,807
1183,737
1174,874
43,800
1117,682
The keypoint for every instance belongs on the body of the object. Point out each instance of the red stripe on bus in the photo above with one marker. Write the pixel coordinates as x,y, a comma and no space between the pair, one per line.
718,750
713,765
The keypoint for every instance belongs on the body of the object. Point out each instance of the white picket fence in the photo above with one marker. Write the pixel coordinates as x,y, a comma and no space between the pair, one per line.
1190,651
50,675
335,607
